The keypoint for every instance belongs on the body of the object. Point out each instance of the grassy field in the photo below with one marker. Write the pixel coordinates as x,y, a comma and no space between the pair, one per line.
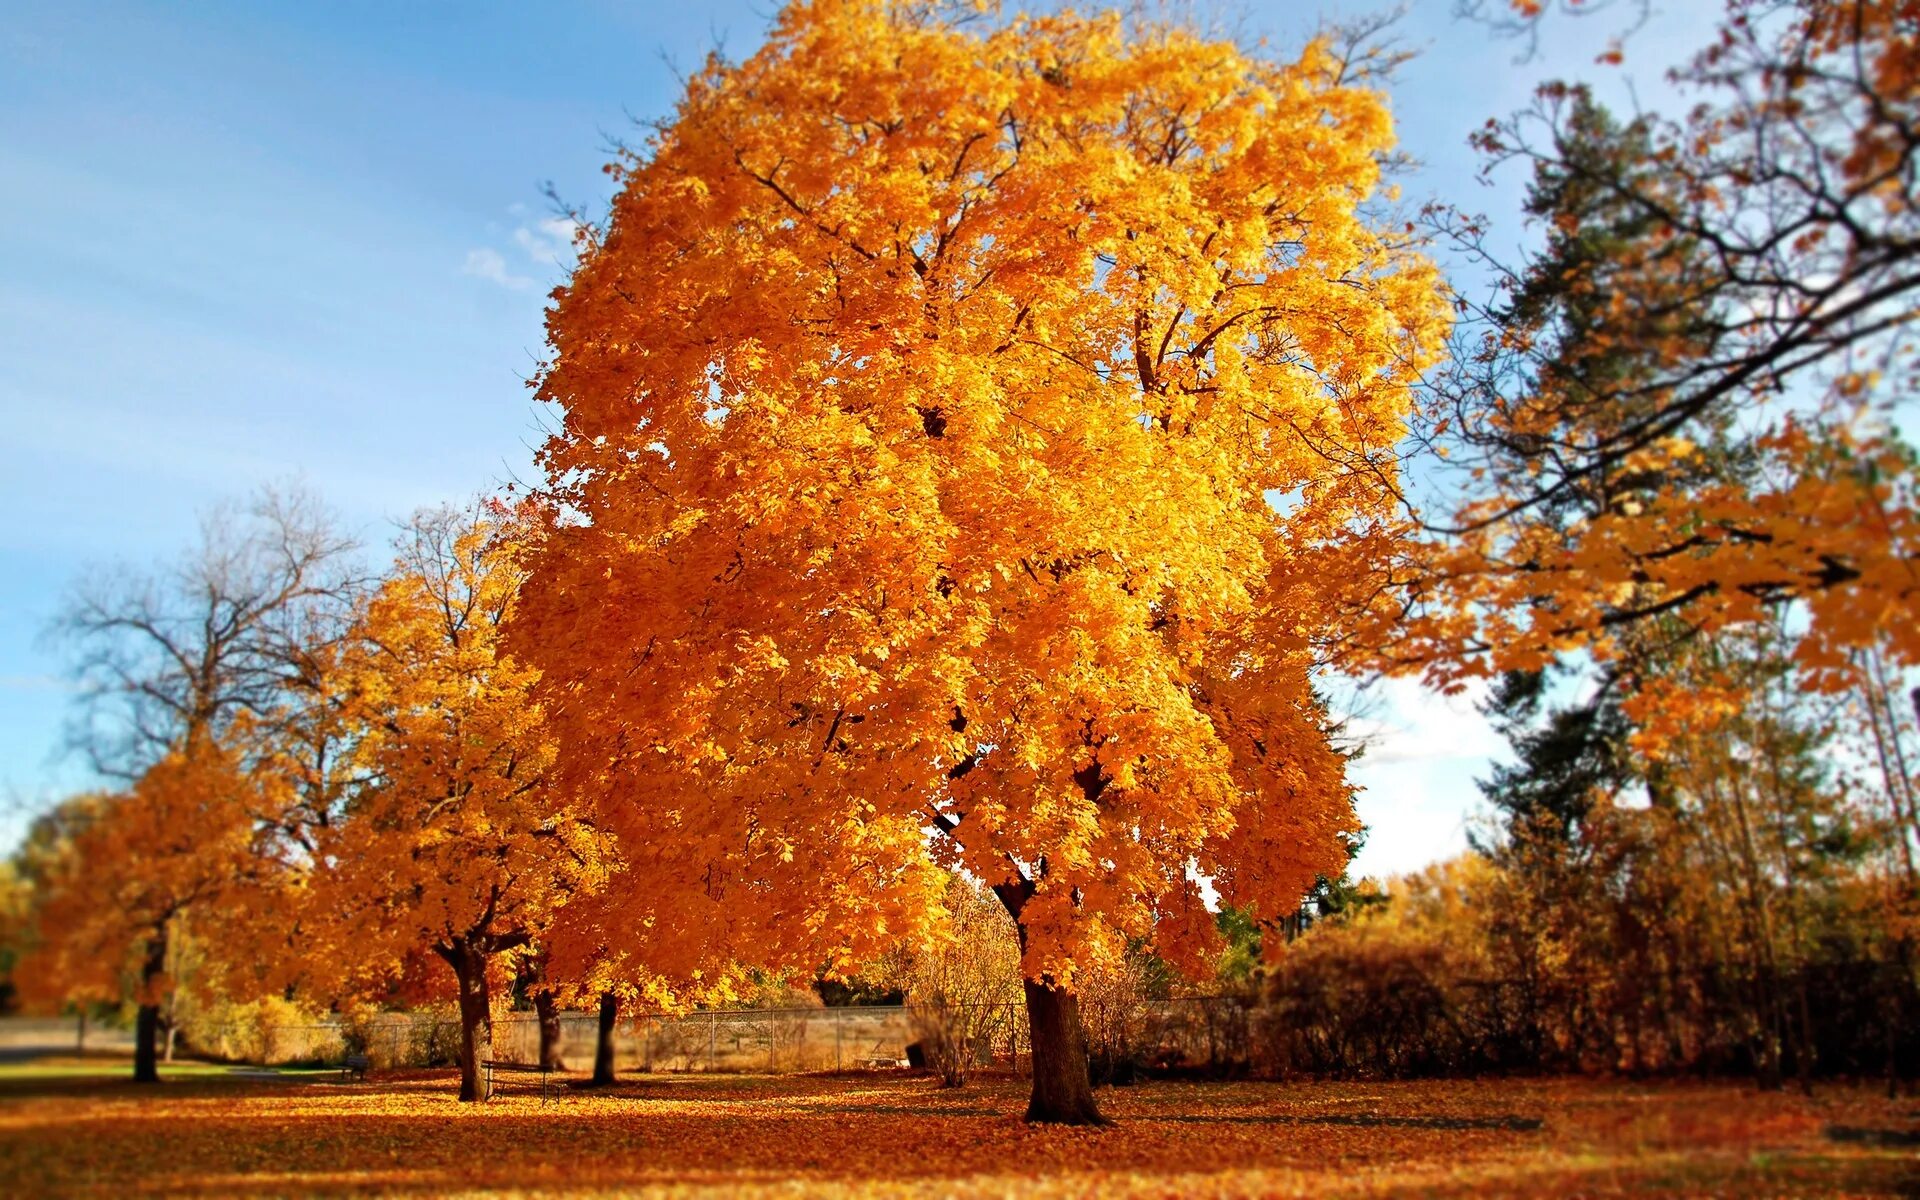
216,1133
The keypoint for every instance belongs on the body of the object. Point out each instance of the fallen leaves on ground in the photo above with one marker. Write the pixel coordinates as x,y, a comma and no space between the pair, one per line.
895,1136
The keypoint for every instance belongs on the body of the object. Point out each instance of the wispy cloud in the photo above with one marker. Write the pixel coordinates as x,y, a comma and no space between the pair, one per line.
542,247
549,240
1421,725
491,265
1417,778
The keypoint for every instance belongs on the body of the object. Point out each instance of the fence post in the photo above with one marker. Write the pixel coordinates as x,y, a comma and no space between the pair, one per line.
713,1038
839,1027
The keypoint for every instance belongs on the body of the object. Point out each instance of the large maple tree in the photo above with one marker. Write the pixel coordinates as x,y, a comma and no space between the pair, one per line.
969,434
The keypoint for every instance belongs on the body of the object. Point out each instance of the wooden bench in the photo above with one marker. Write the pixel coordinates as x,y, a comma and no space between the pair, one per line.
354,1066
491,1066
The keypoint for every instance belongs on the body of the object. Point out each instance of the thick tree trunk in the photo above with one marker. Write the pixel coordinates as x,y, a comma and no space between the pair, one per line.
146,1029
1062,1090
549,1010
469,964
603,1048
1062,1086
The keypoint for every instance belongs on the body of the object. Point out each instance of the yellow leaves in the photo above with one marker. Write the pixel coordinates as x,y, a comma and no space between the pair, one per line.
460,830
1855,383
1826,522
1665,710
979,444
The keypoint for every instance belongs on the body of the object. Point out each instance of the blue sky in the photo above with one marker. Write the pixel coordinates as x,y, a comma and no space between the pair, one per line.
243,243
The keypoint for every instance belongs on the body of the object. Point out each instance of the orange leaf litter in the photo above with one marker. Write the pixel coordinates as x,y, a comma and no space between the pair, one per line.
820,1136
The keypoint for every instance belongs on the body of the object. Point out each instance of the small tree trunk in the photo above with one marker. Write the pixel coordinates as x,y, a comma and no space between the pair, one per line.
549,1011
146,1029
1062,1089
146,1044
469,964
603,1048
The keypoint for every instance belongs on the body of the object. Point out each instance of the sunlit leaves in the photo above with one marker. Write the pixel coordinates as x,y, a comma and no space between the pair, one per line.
922,398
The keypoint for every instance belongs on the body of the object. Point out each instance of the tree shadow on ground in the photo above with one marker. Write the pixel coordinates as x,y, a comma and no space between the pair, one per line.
1873,1137
910,1110
1504,1124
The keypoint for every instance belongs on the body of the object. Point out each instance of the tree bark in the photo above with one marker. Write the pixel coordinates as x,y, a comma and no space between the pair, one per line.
146,1029
1062,1084
1062,1087
549,1011
603,1048
469,963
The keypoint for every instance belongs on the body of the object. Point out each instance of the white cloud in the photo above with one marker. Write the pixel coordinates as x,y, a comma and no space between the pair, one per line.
549,241
1417,778
1415,723
541,249
490,265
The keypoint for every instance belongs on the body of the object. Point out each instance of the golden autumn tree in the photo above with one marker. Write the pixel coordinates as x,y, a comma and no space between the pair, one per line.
185,837
459,843
966,428
189,676
610,949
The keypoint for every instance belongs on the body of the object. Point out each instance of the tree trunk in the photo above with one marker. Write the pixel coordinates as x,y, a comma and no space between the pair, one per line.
146,1029
603,1048
469,964
146,1044
1062,1089
549,1010
1062,1085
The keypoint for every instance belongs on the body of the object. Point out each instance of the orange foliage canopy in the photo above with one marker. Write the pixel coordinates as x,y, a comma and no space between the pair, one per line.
459,839
183,836
976,431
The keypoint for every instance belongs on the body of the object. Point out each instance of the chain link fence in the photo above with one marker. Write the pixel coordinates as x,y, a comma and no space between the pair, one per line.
1201,1031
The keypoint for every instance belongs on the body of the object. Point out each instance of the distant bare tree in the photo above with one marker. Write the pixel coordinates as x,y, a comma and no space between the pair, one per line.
221,657
238,629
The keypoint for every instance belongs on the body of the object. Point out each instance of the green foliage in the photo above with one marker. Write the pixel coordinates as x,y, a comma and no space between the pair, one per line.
1566,754
1241,959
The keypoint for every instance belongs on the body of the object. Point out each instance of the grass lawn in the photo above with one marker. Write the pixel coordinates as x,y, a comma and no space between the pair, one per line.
724,1136
15,1076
